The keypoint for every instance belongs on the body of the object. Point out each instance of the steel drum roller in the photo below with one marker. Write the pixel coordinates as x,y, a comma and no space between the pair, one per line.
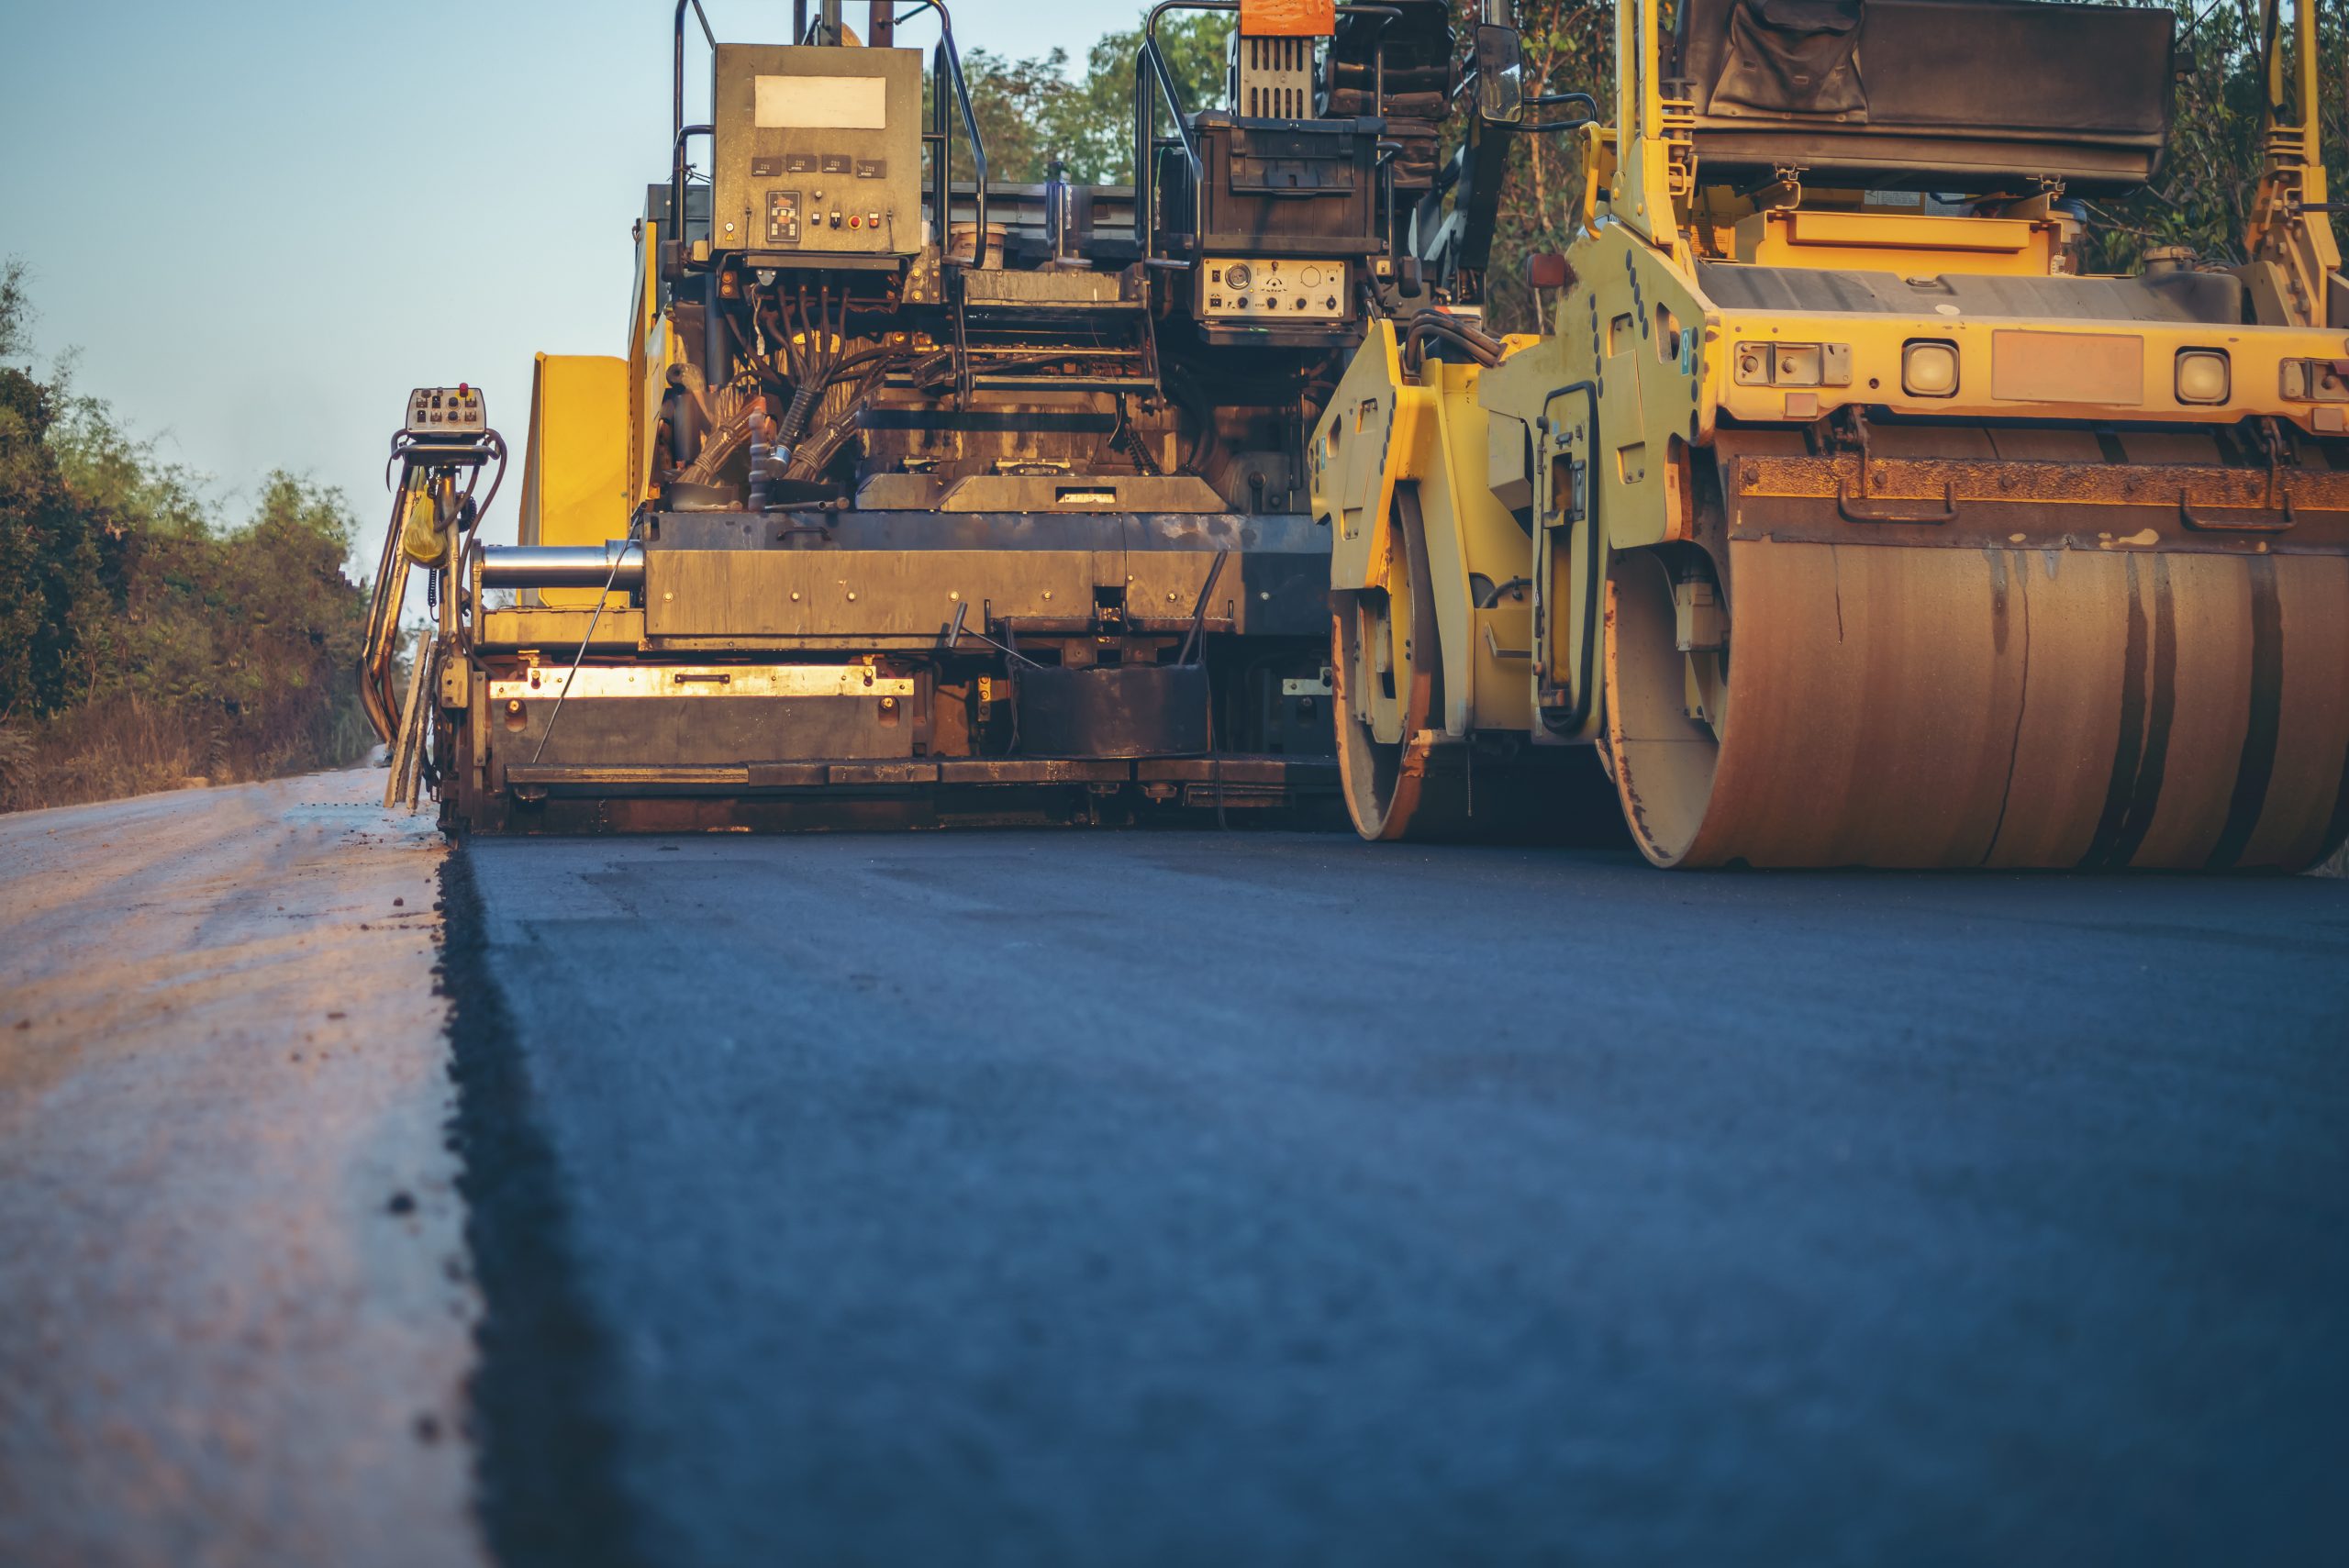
1902,707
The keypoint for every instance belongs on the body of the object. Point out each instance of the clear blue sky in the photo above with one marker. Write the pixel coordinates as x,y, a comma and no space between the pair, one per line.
261,223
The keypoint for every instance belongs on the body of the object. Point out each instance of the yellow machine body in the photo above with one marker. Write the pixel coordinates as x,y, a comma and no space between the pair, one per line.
575,478
1847,531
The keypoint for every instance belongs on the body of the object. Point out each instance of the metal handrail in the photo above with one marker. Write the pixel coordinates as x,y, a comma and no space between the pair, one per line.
678,129
677,188
1551,101
946,64
1150,63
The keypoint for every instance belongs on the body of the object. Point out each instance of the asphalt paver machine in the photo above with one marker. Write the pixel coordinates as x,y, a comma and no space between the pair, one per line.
922,497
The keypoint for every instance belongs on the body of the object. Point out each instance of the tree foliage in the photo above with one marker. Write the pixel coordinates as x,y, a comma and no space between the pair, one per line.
1568,48
60,560
1033,113
2201,198
142,637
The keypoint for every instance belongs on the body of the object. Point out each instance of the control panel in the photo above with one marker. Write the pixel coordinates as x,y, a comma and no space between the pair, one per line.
446,411
1273,290
816,151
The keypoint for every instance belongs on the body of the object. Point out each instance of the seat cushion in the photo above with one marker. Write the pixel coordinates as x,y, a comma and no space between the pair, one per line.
1944,94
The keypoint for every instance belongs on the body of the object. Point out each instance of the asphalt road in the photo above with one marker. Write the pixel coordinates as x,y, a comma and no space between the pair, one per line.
1098,1198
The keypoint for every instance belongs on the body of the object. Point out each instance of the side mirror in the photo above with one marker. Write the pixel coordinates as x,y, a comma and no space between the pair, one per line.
1500,74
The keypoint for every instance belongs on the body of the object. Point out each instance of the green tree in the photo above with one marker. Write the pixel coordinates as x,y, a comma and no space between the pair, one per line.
52,565
2201,196
1021,107
15,310
1569,46
1032,113
1099,141
142,640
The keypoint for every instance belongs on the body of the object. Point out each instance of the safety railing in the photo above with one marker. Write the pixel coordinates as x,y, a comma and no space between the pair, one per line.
945,67
679,130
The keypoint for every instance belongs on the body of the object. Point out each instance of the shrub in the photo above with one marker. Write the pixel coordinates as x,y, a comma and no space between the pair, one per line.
144,641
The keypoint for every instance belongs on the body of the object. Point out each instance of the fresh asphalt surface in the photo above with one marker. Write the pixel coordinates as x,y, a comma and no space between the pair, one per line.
1108,1198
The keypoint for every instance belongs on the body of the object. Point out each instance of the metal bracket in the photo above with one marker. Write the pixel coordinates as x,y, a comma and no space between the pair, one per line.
1493,645
2245,526
1858,510
1784,193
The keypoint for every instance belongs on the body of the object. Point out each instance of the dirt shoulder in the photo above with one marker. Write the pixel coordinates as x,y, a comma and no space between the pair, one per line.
231,1256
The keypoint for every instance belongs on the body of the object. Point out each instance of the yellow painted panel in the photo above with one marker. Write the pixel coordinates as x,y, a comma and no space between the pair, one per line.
650,347
1908,231
574,482
1908,243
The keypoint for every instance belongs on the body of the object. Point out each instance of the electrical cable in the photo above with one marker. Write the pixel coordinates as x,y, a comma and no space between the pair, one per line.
634,525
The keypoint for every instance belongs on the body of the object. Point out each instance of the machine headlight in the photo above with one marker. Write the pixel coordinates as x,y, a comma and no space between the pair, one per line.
2201,375
1929,369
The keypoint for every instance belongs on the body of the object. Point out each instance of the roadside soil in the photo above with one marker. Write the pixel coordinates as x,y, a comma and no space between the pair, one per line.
238,1304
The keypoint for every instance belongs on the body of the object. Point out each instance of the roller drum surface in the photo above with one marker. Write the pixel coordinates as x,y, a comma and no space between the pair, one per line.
2025,707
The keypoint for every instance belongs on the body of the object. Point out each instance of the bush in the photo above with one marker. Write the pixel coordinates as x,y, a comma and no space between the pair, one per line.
143,642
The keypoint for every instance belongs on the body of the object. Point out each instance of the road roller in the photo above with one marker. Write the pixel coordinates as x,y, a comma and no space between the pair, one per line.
920,497
1837,516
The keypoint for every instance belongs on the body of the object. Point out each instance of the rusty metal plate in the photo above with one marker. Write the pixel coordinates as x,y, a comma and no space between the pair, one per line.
1989,502
2067,367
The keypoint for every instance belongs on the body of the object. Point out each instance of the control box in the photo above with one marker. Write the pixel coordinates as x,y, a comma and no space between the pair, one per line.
447,411
1274,188
1275,291
816,153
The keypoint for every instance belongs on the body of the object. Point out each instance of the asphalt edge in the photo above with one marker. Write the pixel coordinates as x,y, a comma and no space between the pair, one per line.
546,1469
